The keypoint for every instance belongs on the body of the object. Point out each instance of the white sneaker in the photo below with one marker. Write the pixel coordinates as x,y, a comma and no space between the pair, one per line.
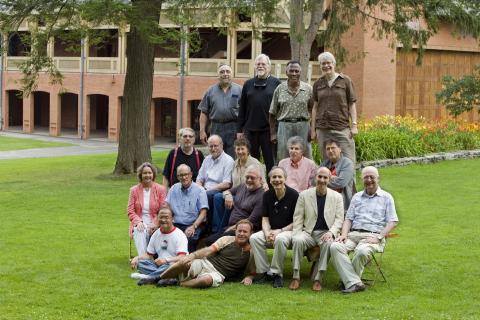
138,276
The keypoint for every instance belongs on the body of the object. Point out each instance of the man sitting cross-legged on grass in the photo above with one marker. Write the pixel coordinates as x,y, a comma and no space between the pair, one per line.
370,217
168,243
227,258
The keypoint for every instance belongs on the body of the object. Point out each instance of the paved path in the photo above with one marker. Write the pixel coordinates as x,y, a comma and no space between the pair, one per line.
79,147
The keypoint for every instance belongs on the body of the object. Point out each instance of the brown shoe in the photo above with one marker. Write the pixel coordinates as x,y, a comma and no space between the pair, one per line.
294,285
317,286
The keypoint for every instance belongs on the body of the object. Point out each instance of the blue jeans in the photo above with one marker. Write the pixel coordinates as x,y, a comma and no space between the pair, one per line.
220,215
149,267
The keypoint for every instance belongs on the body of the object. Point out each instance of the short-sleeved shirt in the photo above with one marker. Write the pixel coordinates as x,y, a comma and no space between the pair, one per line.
230,259
373,212
333,102
238,173
215,171
167,245
220,105
299,175
246,205
182,158
279,212
187,203
287,105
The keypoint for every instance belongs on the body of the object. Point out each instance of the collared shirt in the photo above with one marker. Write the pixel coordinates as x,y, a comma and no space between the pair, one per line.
247,204
300,175
333,102
288,105
221,105
279,212
238,173
187,203
215,171
373,212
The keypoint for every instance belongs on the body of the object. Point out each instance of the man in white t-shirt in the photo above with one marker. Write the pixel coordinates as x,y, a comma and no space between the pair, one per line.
168,244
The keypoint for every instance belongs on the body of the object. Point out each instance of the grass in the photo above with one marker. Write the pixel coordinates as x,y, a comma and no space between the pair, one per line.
9,143
64,251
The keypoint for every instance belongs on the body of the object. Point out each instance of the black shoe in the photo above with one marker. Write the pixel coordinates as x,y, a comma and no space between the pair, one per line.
277,281
149,280
355,288
262,278
167,282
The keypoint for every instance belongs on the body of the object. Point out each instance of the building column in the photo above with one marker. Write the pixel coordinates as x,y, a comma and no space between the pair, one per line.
28,114
55,115
113,118
152,122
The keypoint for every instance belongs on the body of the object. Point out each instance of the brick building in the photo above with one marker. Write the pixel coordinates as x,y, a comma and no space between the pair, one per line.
387,80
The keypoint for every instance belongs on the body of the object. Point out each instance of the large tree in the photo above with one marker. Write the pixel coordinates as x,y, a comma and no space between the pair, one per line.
74,20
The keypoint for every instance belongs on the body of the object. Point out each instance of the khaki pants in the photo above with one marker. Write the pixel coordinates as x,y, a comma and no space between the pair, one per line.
200,268
350,271
343,138
303,241
282,243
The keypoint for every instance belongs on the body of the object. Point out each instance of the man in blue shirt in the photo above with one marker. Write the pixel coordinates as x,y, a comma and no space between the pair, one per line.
189,204
370,217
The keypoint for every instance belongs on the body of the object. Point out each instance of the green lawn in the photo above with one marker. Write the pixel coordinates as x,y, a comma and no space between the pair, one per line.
64,252
9,143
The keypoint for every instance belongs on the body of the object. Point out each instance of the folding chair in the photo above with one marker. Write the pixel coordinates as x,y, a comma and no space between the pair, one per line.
375,264
130,255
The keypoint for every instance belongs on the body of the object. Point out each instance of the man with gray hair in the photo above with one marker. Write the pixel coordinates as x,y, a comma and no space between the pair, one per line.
220,106
290,108
253,118
334,112
370,217
244,202
300,170
184,154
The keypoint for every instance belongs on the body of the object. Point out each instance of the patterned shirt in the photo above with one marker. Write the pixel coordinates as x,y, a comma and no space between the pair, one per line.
373,212
215,171
286,105
187,203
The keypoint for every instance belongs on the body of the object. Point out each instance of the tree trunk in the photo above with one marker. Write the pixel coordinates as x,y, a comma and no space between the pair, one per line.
134,141
301,38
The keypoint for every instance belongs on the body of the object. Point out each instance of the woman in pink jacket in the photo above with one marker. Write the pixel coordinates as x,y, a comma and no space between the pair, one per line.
144,202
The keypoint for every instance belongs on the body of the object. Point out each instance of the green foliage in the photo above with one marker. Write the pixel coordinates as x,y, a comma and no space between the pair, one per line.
65,252
460,95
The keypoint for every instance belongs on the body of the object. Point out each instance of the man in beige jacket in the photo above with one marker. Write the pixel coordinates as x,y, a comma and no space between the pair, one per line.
317,220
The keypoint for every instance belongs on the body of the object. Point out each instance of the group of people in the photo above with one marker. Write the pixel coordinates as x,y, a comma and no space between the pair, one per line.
226,200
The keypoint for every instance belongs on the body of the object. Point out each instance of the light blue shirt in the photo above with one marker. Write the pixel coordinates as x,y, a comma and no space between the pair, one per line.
373,212
186,203
215,171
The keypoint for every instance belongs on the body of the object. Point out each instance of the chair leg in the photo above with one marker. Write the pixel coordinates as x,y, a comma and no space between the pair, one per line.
130,250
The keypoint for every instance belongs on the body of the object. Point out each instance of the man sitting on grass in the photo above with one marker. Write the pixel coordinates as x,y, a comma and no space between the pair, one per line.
370,217
227,258
168,243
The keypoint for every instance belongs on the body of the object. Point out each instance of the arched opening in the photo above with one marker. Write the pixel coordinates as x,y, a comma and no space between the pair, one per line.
69,114
195,118
15,110
41,111
98,116
165,119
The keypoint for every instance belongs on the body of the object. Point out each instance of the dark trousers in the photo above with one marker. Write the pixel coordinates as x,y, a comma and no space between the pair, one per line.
261,139
214,237
193,240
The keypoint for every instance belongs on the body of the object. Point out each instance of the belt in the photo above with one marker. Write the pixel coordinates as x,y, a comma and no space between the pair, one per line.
224,121
294,120
363,230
